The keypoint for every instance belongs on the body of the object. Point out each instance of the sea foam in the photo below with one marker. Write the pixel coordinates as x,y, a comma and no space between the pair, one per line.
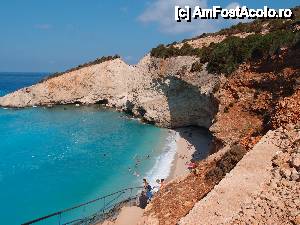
164,162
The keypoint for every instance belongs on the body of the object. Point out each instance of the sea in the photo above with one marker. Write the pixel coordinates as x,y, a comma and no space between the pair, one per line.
56,158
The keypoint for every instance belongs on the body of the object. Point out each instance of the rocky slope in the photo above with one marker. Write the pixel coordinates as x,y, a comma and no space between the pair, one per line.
158,90
265,95
256,98
242,197
278,200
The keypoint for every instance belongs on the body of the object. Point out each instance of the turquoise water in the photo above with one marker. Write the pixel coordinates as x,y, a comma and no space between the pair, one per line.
54,158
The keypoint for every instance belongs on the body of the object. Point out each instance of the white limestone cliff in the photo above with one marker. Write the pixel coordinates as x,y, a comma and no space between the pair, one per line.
161,91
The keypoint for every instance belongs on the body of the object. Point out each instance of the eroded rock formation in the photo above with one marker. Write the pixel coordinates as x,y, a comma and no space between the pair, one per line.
161,91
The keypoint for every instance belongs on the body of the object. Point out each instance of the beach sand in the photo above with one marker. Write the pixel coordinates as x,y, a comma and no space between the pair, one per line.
192,143
128,215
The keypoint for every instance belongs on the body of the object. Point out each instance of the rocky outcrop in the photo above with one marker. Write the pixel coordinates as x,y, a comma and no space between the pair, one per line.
86,85
244,197
278,201
237,186
161,91
264,95
257,98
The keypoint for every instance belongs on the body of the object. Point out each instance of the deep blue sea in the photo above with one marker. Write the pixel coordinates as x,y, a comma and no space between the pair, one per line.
54,158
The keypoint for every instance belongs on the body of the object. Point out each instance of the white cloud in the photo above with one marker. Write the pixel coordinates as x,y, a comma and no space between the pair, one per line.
43,26
233,5
162,13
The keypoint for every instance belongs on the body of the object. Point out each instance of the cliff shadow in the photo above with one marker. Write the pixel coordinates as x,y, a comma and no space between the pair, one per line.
200,138
191,113
281,60
187,105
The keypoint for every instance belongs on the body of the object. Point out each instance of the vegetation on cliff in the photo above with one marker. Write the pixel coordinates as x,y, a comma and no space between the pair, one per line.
162,51
226,56
259,25
197,66
256,26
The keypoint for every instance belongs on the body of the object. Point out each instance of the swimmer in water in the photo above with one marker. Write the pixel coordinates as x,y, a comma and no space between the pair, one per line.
136,174
137,162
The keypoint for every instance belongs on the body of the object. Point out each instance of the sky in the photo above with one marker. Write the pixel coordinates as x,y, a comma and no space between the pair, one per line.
52,36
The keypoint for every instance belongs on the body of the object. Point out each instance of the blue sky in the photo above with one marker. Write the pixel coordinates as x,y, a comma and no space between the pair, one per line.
40,35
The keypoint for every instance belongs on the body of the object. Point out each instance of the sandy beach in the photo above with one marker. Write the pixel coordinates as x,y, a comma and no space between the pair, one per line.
192,143
128,215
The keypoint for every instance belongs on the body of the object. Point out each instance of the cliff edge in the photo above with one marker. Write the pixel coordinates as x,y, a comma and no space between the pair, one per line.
158,90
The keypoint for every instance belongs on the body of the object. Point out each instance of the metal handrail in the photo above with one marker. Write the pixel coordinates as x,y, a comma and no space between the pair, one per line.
59,213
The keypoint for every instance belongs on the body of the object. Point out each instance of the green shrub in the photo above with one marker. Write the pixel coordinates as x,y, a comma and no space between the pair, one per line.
187,49
162,51
173,43
226,56
257,25
196,67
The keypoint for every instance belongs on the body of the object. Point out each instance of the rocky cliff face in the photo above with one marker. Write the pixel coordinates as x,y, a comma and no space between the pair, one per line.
264,95
256,76
161,91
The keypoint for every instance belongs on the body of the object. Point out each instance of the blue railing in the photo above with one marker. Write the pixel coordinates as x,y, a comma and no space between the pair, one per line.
91,212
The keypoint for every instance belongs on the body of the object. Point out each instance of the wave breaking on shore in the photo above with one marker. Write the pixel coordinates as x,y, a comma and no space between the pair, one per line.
164,162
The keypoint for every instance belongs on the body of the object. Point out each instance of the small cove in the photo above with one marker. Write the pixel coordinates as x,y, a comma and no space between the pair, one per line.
55,158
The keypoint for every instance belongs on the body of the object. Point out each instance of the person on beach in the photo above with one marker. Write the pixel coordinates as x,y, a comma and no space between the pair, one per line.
147,189
162,183
146,184
192,166
142,200
157,187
